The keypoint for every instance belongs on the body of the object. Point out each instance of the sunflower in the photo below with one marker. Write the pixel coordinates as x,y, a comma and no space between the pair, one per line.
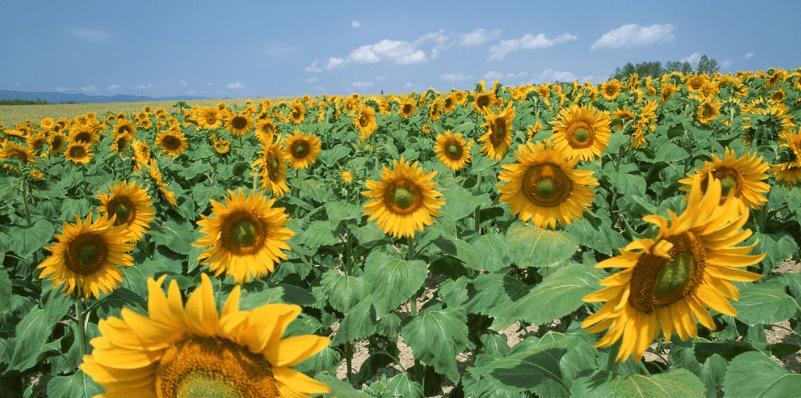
142,153
365,122
545,186
405,199
265,131
47,123
347,177
245,236
449,103
273,170
744,177
163,188
240,124
452,150
192,350
695,83
407,108
35,141
172,142
777,96
301,150
668,281
787,172
484,100
124,126
582,132
611,89
87,256
208,118
297,112
56,142
12,150
708,111
84,134
78,153
121,143
792,141
131,205
498,138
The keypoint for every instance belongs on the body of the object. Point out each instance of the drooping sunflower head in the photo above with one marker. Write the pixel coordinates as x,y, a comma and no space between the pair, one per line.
545,186
245,237
498,138
273,169
404,201
13,151
449,103
667,283
172,142
365,122
301,150
788,173
78,153
708,111
87,256
240,124
130,206
452,151
744,177
56,142
36,141
142,153
582,131
192,349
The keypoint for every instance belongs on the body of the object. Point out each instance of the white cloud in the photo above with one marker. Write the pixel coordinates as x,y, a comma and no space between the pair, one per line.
508,78
355,24
235,86
362,84
528,41
408,85
725,63
692,59
478,37
440,40
401,52
314,67
556,75
93,35
334,62
114,87
278,49
88,89
313,79
380,78
143,87
748,55
633,35
455,77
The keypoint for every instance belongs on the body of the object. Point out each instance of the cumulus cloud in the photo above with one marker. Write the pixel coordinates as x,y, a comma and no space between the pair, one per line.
509,77
455,77
235,86
748,55
312,80
93,35
362,84
633,35
314,67
692,59
335,62
478,37
551,75
115,87
355,24
529,41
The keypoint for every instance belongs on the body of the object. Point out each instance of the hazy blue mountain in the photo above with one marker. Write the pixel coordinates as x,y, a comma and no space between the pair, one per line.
56,98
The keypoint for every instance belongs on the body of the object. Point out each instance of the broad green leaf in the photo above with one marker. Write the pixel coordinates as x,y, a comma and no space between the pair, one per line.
176,236
436,336
78,385
343,291
677,383
401,385
713,373
316,234
484,253
31,335
25,241
764,303
338,211
755,375
359,323
460,203
530,246
5,288
392,280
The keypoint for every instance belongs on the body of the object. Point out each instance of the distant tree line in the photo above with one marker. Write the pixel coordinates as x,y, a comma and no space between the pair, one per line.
23,102
657,69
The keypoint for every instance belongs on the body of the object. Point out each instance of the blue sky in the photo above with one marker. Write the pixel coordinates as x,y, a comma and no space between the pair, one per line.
250,48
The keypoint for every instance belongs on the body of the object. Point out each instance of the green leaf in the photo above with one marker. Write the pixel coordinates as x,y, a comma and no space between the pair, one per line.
316,234
670,153
330,156
493,294
530,246
359,323
338,211
177,236
392,279
342,291
5,288
78,385
25,241
755,375
484,253
557,295
627,184
764,303
32,333
713,373
462,203
436,336
677,383
258,298
402,386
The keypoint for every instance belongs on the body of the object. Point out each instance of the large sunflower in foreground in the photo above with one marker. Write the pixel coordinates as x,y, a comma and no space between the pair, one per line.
582,131
131,205
365,122
273,168
545,186
669,282
745,177
452,150
301,150
172,142
87,257
405,199
192,350
245,236
498,138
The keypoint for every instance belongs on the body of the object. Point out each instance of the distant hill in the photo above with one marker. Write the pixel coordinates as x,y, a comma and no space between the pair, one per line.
58,98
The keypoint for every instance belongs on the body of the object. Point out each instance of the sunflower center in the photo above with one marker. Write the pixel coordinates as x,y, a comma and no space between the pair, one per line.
706,110
208,367
482,101
243,233
499,128
580,136
77,152
296,113
239,122
83,136
657,281
728,184
171,142
274,165
86,254
363,120
57,143
123,209
124,129
300,149
407,109
454,150
403,197
546,185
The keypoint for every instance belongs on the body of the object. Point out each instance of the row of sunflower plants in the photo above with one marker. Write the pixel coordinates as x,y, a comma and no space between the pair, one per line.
631,237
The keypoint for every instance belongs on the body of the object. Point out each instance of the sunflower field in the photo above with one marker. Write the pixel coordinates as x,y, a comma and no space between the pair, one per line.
630,238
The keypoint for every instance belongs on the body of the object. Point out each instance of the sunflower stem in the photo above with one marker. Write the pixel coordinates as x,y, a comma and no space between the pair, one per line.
25,192
410,254
349,361
80,327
